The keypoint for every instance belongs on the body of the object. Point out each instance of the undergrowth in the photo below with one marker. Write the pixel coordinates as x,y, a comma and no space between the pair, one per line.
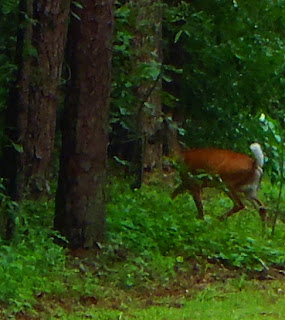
154,236
31,260
150,239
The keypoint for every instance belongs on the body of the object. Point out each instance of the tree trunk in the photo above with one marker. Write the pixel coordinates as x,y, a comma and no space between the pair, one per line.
31,115
80,203
174,55
148,42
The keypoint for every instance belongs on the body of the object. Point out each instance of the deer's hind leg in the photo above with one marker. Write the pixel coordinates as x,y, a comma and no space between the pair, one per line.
238,205
261,210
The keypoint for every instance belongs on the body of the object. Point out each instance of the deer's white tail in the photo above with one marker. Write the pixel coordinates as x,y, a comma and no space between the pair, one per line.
257,151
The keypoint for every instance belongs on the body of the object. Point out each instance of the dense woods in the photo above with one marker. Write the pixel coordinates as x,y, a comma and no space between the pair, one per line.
97,99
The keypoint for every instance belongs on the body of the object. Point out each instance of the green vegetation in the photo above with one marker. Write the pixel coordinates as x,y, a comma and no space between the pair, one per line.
219,81
221,301
152,243
147,220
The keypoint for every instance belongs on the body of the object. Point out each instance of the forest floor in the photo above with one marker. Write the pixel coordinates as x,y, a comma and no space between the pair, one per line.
220,294
158,263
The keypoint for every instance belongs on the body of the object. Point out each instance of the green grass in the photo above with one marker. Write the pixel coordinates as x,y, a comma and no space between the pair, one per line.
151,243
232,300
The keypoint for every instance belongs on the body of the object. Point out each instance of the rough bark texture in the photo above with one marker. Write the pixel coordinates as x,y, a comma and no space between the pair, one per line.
34,100
148,42
80,205
174,55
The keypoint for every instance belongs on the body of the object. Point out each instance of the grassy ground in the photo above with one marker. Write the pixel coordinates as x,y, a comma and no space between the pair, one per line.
157,262
228,300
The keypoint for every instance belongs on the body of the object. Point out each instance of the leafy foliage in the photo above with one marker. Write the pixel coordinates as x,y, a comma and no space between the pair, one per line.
166,235
223,67
31,261
228,65
233,67
150,240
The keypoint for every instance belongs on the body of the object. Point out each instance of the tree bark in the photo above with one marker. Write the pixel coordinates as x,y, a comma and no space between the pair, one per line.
149,54
34,99
80,203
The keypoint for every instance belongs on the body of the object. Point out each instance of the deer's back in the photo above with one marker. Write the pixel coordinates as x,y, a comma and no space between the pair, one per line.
235,169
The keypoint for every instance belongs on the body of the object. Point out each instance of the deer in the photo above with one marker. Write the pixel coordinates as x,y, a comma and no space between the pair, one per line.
239,173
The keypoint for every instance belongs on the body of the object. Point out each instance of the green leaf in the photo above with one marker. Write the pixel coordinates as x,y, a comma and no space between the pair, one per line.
180,259
76,16
77,4
177,36
18,147
123,162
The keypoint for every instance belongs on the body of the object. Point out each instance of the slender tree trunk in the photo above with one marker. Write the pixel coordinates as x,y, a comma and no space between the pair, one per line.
34,99
149,54
80,204
174,55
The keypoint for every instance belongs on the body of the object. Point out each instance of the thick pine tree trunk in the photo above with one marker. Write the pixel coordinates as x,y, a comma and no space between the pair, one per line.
35,97
80,205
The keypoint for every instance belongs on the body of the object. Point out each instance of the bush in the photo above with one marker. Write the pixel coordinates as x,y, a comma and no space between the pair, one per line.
32,263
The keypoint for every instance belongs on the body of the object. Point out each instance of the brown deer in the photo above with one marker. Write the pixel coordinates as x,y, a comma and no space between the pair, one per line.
239,173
